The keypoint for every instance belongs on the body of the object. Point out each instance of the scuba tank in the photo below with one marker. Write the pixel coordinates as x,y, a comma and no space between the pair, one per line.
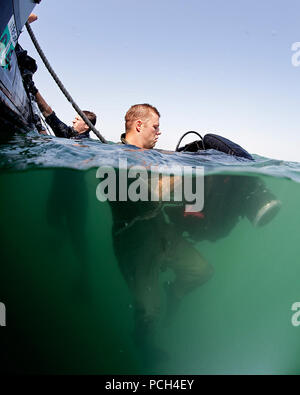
213,141
227,198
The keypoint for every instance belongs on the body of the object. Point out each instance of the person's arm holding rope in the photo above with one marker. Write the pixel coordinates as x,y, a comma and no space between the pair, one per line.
44,107
46,110
59,128
70,132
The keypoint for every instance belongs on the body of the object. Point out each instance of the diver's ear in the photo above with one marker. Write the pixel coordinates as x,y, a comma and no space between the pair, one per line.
138,125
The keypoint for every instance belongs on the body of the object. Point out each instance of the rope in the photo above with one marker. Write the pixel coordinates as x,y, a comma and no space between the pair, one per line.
61,86
45,124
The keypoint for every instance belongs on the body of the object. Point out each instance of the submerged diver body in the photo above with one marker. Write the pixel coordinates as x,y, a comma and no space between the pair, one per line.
68,198
148,236
145,245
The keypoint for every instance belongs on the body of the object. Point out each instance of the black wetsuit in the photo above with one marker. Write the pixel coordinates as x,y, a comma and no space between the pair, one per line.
60,129
123,139
144,245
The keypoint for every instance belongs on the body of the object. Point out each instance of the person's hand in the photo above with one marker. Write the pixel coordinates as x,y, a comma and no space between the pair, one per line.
31,87
32,18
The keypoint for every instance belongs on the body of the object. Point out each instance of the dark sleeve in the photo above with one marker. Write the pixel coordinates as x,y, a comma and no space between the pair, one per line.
59,128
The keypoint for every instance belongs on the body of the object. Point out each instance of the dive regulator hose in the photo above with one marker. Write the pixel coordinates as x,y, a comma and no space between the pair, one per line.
185,134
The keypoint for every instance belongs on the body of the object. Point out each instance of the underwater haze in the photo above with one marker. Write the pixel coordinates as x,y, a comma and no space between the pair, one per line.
69,280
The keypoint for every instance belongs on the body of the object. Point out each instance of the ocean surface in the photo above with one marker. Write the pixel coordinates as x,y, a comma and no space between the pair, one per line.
73,277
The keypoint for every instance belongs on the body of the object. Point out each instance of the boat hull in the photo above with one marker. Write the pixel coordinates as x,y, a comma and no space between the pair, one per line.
15,107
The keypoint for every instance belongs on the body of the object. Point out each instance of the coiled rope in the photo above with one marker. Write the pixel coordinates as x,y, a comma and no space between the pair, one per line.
61,86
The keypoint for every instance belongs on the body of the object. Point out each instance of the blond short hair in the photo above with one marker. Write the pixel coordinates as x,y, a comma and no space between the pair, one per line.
139,111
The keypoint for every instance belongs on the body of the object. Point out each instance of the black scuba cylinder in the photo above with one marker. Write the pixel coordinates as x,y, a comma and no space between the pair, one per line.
213,141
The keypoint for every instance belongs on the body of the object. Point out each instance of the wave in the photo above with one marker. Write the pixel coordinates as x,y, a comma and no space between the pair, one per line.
34,151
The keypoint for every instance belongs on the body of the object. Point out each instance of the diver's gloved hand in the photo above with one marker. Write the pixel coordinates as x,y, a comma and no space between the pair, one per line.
26,62
31,87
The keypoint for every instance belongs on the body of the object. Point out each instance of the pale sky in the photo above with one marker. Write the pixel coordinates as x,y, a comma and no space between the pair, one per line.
215,66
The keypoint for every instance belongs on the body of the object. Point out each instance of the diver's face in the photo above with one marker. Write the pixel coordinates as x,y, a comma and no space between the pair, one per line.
79,125
150,130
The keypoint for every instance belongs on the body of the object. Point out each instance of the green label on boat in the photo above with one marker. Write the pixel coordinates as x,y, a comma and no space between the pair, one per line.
8,41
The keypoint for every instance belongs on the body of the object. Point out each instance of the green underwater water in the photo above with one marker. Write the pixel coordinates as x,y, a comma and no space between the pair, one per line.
69,309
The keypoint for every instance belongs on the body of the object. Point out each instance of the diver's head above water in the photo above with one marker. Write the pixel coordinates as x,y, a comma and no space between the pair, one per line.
80,126
142,126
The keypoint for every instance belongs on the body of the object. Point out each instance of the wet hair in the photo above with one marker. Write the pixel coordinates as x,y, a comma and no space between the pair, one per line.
139,111
91,116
